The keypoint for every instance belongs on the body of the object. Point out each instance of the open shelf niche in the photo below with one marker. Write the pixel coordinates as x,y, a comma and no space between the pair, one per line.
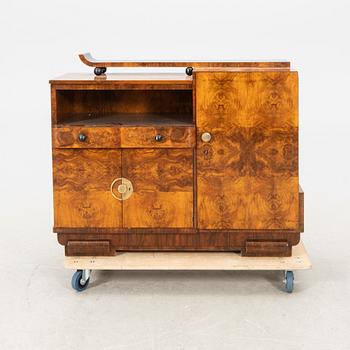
124,107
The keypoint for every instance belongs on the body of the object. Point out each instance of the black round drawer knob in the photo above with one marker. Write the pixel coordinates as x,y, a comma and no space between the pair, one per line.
158,138
82,137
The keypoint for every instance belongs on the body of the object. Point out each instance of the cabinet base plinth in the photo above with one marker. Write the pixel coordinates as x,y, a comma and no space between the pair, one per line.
258,243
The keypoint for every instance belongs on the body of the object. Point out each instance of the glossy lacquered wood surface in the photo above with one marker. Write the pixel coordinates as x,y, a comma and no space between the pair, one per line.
238,192
87,59
247,175
124,137
163,188
168,240
82,180
171,137
162,181
95,137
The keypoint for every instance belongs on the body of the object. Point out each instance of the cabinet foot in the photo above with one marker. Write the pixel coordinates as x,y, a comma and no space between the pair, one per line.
267,248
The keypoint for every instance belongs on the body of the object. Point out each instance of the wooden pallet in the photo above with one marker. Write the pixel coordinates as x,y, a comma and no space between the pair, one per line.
190,261
186,261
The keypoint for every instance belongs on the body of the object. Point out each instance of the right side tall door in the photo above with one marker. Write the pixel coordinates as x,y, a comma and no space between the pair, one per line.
247,150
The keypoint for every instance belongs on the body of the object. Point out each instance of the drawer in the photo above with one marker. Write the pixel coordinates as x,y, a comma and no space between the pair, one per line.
158,137
85,137
124,137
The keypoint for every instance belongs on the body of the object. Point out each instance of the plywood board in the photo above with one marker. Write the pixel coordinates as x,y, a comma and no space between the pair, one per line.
191,261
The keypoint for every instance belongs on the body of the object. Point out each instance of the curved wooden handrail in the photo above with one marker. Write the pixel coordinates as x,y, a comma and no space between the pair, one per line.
87,59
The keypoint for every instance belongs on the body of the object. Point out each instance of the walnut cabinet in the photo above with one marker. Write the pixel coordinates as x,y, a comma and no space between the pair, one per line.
169,162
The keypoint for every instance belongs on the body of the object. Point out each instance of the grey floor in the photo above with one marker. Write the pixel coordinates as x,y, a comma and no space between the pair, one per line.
170,310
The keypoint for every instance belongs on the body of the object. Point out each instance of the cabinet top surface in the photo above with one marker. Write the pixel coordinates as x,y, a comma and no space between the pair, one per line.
78,78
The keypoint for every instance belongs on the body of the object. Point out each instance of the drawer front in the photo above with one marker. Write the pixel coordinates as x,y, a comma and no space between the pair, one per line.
162,137
81,137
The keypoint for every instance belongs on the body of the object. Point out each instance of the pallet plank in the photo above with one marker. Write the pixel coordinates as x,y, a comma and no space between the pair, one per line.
191,261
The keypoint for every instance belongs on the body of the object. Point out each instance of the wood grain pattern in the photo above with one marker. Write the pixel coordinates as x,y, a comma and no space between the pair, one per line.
134,119
164,230
82,179
123,81
172,137
163,188
96,137
75,105
86,248
267,248
87,59
204,241
53,94
190,261
248,173
124,137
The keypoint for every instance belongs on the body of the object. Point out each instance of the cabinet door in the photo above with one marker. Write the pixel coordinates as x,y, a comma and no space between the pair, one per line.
162,181
82,180
247,174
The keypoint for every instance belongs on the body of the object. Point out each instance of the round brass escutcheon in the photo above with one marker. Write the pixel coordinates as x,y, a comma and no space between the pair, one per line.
125,188
122,188
206,137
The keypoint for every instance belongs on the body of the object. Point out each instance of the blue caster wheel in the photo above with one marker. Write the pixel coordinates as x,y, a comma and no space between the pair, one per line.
289,281
80,280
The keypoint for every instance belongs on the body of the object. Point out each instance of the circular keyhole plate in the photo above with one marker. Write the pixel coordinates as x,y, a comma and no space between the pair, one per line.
125,188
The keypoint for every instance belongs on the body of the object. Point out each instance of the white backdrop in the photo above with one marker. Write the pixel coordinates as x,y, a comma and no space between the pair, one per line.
42,39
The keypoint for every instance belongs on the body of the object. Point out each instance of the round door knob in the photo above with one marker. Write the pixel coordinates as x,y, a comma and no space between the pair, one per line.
158,138
206,137
82,137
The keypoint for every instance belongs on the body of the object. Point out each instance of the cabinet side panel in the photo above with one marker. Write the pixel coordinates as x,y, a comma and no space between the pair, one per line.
247,175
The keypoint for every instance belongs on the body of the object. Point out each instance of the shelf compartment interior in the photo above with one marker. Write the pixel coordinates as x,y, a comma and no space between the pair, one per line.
124,107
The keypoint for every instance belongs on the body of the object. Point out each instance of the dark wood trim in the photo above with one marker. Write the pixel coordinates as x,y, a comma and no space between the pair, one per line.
86,248
267,248
98,230
209,241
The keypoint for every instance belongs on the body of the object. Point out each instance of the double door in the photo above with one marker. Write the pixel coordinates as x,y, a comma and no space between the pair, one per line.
123,188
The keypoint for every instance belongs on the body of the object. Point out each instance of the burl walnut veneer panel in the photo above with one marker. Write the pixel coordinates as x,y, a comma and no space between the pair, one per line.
82,179
172,137
99,137
163,188
247,175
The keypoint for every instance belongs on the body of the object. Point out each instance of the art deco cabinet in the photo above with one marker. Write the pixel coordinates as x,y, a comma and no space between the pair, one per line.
176,162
